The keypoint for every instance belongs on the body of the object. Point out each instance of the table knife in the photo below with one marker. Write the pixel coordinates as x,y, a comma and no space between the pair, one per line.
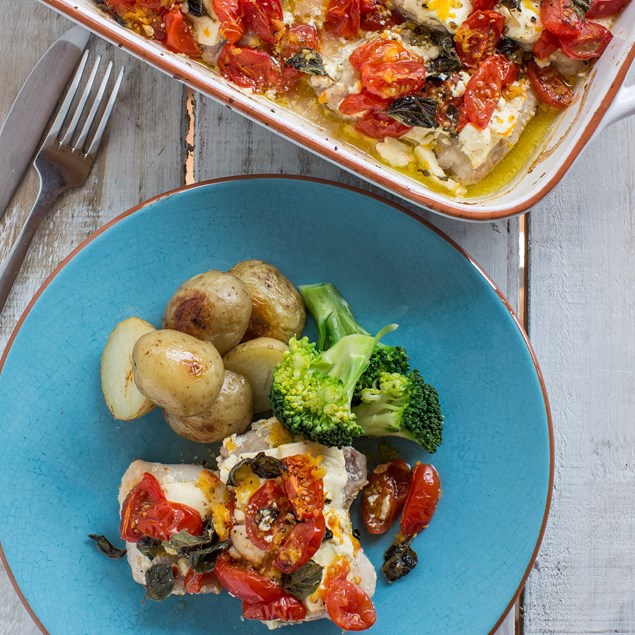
26,122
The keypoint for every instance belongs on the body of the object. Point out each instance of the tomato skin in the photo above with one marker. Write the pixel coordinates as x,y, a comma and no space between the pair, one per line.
425,491
287,608
390,80
343,17
194,582
379,125
483,5
560,17
589,44
348,606
545,45
244,584
268,496
549,86
376,16
232,21
264,17
303,486
378,51
249,68
355,104
179,38
300,545
605,8
301,36
477,37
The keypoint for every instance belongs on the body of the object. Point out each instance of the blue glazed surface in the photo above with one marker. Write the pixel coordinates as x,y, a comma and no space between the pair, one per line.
62,455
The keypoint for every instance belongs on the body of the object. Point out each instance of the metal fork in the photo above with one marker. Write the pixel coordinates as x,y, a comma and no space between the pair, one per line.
63,161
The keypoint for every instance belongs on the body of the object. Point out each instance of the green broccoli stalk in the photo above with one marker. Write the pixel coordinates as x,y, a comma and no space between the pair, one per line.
312,391
402,405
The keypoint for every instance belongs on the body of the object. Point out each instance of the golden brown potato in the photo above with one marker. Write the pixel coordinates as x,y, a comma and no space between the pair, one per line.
178,372
230,413
277,308
213,306
255,360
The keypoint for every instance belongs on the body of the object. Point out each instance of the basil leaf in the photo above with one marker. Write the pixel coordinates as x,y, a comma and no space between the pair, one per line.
581,7
514,5
444,64
105,547
510,50
183,542
204,560
399,560
414,111
159,581
304,581
197,8
307,61
150,547
261,465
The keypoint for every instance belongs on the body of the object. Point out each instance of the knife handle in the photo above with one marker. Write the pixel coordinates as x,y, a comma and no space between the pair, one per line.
11,265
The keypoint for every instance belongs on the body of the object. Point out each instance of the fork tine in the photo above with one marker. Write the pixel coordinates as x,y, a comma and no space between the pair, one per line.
82,102
94,108
94,146
56,126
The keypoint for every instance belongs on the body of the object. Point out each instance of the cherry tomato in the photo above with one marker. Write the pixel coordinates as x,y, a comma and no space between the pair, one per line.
605,8
560,17
301,36
379,503
232,21
379,125
483,5
545,45
343,18
286,608
303,485
423,497
194,582
355,104
266,508
348,606
245,584
378,51
264,18
588,44
376,16
249,68
390,80
484,89
301,544
478,37
549,85
179,38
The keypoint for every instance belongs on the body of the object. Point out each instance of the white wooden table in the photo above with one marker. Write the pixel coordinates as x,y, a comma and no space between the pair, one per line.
574,266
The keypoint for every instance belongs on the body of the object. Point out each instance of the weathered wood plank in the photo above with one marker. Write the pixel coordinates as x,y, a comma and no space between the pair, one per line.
582,317
142,156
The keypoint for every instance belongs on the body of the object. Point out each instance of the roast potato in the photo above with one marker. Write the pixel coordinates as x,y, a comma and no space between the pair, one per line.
255,360
277,308
178,372
230,413
213,306
123,398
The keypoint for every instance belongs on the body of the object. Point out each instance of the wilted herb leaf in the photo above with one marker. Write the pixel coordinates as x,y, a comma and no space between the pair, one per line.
414,111
261,465
307,61
184,542
204,560
581,7
510,50
512,4
304,581
150,547
159,581
197,8
399,560
106,547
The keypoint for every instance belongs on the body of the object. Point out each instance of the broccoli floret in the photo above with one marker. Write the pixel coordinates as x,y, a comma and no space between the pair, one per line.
402,405
312,391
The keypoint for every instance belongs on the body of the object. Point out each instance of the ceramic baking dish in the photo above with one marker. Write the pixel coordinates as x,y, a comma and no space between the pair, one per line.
600,100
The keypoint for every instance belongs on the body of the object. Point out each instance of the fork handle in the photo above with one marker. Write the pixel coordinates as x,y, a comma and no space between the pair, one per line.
10,267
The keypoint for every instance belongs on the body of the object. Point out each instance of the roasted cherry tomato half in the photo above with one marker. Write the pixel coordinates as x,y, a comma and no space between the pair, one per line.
545,45
560,17
303,485
378,51
232,21
425,491
605,8
376,16
483,5
286,608
301,36
178,36
194,582
390,80
300,545
348,606
343,17
355,104
264,18
245,584
267,507
588,44
478,37
549,85
249,68
379,125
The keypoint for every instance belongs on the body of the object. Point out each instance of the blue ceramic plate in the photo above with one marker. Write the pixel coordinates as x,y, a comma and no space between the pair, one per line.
62,455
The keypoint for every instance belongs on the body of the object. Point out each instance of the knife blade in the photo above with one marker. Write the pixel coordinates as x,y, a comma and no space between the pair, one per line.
25,124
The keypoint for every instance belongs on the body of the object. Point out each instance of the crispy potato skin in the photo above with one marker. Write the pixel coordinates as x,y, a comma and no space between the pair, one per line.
213,306
178,372
230,413
277,307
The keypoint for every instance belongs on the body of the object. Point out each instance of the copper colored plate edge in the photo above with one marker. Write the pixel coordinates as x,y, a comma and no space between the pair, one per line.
398,208
165,64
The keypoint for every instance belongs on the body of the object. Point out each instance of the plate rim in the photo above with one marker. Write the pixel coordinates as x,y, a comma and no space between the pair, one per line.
357,190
